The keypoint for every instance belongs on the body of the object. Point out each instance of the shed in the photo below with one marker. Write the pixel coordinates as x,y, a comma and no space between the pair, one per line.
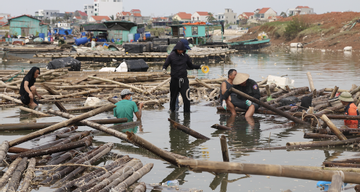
192,30
25,25
120,30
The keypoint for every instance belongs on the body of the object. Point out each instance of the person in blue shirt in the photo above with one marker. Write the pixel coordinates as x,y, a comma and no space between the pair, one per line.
126,107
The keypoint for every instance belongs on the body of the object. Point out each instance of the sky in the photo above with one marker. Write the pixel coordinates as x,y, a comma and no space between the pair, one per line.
168,7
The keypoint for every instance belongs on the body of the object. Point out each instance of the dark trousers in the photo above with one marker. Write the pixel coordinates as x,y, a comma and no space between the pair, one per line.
179,86
242,103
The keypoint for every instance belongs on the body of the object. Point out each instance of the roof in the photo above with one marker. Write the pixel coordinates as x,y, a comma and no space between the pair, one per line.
78,17
2,23
248,14
184,15
137,15
202,13
82,13
300,7
25,16
100,18
125,13
1,18
264,10
135,10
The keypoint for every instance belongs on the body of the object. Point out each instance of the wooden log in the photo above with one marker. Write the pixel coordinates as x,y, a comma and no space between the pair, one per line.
329,110
28,176
160,85
39,113
354,91
5,78
336,183
94,174
4,147
134,177
140,188
335,164
88,86
339,90
204,84
2,84
333,93
357,188
289,144
17,150
354,160
60,125
17,101
5,178
333,128
319,136
118,83
76,94
16,176
112,181
279,112
87,108
41,75
296,91
64,157
103,150
47,88
311,83
27,126
60,106
87,141
187,130
220,127
103,178
224,149
269,170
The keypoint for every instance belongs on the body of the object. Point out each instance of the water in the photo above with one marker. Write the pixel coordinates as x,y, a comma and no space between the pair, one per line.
327,69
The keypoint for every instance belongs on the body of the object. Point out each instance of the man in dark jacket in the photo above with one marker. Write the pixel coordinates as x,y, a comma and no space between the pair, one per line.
179,83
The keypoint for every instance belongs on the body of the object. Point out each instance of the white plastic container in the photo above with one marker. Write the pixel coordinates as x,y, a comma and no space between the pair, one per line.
122,67
348,48
280,81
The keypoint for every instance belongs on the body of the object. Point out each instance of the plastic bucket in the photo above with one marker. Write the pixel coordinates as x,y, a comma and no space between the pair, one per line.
136,36
42,35
81,41
147,35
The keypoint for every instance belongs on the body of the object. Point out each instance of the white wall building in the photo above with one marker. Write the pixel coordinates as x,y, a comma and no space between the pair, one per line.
300,10
89,10
107,7
199,16
46,14
63,25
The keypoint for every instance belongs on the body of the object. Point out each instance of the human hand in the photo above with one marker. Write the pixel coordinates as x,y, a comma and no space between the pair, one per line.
248,103
164,71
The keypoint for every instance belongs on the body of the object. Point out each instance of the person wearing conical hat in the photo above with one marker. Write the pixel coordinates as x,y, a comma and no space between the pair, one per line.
350,109
244,84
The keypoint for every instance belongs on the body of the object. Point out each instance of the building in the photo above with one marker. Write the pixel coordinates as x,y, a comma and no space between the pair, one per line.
120,30
199,16
89,10
98,19
159,22
228,17
80,14
25,25
182,17
263,14
63,25
246,15
133,16
46,14
108,7
5,15
300,10
3,21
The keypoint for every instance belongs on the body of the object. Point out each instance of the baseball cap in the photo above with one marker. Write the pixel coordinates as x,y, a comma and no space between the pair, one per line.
126,92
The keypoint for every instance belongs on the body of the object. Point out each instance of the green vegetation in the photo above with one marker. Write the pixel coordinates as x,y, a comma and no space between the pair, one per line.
316,29
341,34
294,28
277,28
210,18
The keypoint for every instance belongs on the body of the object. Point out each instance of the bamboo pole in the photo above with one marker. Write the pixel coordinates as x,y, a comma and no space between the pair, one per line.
333,128
187,130
17,101
8,86
34,111
87,141
311,83
220,127
269,170
224,149
60,125
4,147
5,178
333,93
76,94
16,176
118,83
116,178
160,85
88,86
204,84
336,183
27,126
140,188
279,112
134,177
28,176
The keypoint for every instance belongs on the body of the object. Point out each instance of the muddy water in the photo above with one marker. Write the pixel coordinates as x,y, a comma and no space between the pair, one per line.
328,69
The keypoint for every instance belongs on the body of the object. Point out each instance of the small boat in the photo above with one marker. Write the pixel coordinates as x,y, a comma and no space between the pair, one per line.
251,44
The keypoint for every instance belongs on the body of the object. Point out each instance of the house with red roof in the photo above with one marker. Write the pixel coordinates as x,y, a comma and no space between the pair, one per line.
98,19
200,16
81,14
246,15
182,17
300,10
263,14
134,16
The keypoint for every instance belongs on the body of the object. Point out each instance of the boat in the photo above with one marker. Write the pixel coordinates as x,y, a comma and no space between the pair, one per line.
251,44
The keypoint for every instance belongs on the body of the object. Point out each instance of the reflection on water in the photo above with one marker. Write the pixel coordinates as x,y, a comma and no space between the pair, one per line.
328,69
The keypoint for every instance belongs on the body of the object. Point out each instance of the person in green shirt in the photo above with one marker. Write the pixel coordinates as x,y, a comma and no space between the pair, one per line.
126,107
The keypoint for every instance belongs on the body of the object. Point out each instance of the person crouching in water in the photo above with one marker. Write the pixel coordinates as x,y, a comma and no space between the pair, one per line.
350,109
28,89
226,85
179,82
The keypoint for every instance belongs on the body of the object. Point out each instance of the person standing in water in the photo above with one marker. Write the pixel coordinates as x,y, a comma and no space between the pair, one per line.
28,89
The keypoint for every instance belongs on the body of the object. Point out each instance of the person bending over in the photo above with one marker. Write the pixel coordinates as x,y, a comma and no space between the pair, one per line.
28,89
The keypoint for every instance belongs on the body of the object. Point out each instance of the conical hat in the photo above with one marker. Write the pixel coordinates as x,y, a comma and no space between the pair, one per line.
240,78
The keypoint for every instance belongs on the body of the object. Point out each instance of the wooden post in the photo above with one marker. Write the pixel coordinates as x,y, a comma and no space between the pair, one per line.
28,176
333,128
160,85
336,183
311,83
333,93
15,178
188,130
279,112
140,188
204,84
4,147
224,149
4,179
60,125
300,172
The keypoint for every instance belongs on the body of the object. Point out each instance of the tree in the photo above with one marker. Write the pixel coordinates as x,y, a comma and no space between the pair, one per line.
295,27
210,18
112,17
283,14
175,21
67,16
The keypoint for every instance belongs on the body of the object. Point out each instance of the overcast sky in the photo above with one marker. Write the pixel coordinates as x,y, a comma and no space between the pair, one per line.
167,7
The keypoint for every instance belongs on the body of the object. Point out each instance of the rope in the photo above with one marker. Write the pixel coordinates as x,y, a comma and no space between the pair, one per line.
22,72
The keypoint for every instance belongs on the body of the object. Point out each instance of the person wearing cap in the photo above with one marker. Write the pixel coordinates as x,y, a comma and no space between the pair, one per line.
179,82
226,85
244,84
126,107
350,109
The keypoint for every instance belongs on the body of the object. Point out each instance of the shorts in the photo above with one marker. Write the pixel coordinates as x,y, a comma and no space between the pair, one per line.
242,103
25,99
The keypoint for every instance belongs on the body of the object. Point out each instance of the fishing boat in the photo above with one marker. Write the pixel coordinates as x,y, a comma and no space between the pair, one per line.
251,44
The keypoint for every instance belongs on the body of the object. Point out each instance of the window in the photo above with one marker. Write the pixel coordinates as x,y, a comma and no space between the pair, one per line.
198,18
95,9
95,5
194,30
47,13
